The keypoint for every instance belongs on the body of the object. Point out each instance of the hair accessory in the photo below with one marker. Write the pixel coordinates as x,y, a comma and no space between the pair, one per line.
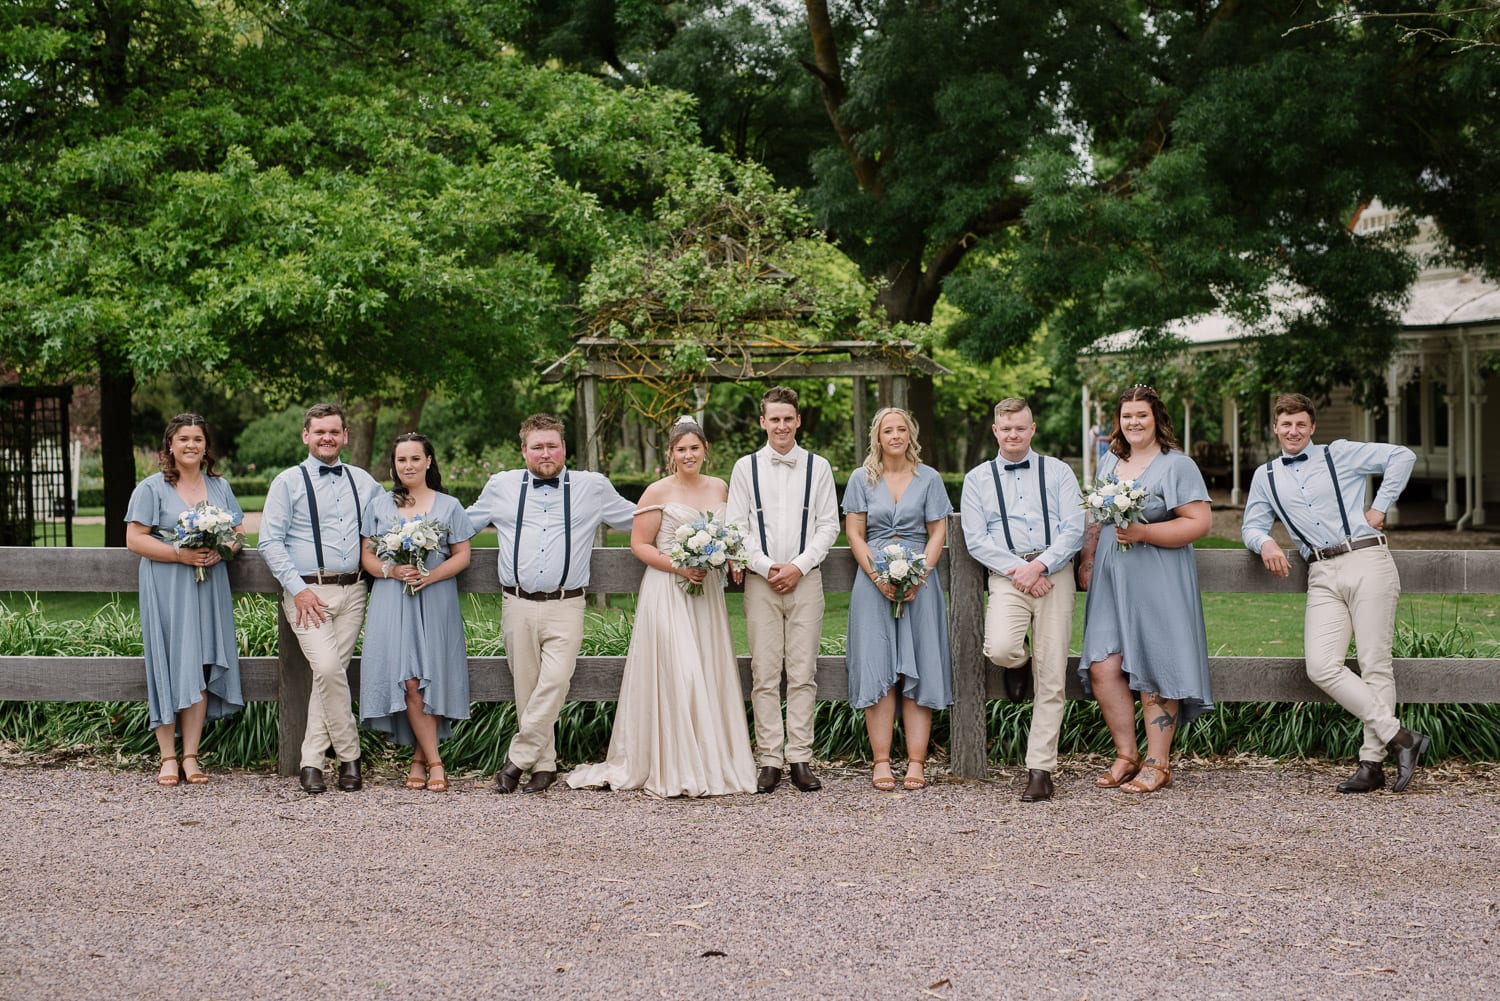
685,419
1142,385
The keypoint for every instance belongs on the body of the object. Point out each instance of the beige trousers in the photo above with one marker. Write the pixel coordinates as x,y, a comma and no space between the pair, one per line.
328,649
1355,595
1050,619
784,630
541,644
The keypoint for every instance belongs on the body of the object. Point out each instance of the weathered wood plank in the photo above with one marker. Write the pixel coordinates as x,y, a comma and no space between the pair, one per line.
966,720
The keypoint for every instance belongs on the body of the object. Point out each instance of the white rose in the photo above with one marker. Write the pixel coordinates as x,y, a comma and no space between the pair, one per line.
1095,500
698,541
1110,489
894,552
898,569
716,558
683,533
1124,502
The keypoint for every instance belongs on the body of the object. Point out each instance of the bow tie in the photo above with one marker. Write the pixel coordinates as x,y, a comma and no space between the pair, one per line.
1287,460
777,459
331,470
552,482
1023,464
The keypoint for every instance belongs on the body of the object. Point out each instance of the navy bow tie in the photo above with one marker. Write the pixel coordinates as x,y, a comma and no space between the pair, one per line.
1023,464
552,482
331,470
1287,460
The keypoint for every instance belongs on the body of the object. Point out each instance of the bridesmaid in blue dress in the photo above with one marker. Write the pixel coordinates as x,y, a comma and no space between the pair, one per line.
1143,624
187,627
897,663
414,665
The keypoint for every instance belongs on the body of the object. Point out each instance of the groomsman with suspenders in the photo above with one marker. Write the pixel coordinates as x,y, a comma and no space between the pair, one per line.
310,536
545,516
1023,519
1318,492
783,497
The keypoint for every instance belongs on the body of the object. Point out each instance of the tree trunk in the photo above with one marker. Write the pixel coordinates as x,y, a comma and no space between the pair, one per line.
117,451
360,415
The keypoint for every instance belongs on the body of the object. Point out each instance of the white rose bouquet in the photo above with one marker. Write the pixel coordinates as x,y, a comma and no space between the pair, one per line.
706,543
903,570
205,526
1116,502
409,544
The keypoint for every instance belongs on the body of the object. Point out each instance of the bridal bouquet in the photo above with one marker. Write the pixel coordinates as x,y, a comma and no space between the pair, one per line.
706,543
903,570
409,544
1116,502
205,526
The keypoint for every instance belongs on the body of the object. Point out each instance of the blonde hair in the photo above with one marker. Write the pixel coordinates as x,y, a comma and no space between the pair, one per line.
873,466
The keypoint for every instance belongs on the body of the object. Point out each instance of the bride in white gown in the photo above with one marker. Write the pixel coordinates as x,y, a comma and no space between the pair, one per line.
680,727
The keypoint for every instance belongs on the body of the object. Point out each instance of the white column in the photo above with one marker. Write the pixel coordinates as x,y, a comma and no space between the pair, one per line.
1476,474
1450,506
1187,426
1236,495
1393,389
1088,438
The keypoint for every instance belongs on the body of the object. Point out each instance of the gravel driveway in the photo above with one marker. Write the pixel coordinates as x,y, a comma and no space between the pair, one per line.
1245,880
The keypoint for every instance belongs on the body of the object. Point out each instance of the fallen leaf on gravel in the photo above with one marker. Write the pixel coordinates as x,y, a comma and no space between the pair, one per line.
1207,889
693,907
945,982
687,924
846,884
713,952
525,894
1361,973
611,879
189,823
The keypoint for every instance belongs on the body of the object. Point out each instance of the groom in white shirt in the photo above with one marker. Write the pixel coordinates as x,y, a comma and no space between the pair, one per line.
783,498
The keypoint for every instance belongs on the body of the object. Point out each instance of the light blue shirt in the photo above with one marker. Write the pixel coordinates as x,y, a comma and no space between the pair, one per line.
1307,498
286,539
984,529
543,540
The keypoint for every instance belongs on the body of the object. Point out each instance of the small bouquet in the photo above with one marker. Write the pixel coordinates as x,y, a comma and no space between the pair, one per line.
903,570
706,543
409,544
205,526
1115,501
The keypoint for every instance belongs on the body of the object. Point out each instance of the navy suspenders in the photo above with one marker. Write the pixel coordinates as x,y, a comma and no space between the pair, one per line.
312,513
760,514
1281,508
515,551
1041,481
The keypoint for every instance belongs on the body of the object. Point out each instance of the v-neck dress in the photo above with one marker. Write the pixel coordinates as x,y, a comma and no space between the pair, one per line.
1144,602
912,650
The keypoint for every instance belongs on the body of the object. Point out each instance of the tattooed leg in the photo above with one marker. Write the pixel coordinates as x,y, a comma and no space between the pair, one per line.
1161,716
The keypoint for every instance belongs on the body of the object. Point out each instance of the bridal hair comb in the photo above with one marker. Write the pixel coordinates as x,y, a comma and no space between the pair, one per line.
686,419
1139,387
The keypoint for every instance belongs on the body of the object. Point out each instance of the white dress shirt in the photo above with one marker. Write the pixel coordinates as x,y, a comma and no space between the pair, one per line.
783,485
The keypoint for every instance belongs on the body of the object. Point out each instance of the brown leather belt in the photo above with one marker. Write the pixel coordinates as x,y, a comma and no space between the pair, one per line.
516,592
340,579
1347,546
1028,557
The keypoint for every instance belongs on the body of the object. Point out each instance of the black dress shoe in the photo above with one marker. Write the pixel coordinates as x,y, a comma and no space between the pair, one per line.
1368,777
803,777
312,780
768,780
1407,747
1038,786
507,778
1018,683
349,777
539,781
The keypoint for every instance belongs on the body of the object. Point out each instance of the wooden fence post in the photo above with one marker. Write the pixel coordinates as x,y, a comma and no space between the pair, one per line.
966,724
293,689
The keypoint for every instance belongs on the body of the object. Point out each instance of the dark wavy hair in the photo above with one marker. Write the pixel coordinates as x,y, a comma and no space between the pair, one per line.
169,461
1165,436
434,476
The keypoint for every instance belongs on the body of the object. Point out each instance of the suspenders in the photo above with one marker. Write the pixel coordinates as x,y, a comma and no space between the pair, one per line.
312,512
760,514
515,551
1041,482
1281,508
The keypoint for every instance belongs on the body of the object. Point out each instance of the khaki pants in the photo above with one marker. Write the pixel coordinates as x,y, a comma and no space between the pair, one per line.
328,648
1355,595
784,630
541,644
1050,619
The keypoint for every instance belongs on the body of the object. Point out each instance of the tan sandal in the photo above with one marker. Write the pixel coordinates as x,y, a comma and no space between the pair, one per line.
438,783
1141,784
167,780
414,780
886,784
914,783
197,778
1113,780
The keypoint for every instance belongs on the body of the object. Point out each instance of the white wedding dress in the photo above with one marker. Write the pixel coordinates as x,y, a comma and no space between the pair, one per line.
680,727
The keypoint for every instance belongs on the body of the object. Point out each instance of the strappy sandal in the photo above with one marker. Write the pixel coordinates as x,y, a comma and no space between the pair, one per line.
413,780
167,780
198,778
913,783
886,784
1110,780
1138,784
439,783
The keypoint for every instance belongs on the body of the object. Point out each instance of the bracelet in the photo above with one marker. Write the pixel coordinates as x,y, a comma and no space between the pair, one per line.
385,570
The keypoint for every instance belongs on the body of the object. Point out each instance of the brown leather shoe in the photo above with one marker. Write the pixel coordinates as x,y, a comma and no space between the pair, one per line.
1038,786
539,781
1368,777
803,777
312,781
768,779
1407,747
1018,680
507,778
349,777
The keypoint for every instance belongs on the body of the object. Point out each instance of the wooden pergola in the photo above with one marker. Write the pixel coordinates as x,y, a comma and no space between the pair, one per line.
605,359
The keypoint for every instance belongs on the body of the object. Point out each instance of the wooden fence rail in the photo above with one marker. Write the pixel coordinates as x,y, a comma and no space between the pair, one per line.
285,679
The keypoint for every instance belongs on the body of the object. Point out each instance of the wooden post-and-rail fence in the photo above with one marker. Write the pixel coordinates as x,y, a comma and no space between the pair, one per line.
285,678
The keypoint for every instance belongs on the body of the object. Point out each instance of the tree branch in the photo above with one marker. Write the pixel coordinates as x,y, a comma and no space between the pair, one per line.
825,68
